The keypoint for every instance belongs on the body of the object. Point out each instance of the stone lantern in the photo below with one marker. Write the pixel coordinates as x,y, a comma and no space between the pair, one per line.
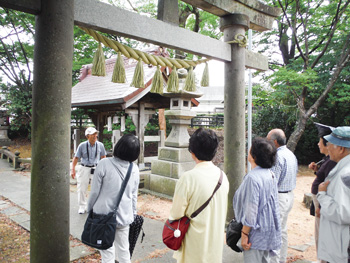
4,126
174,158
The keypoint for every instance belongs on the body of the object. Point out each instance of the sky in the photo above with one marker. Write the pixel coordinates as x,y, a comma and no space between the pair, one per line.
216,72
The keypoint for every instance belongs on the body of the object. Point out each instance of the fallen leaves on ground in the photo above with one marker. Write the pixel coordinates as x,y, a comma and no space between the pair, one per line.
153,207
294,258
14,241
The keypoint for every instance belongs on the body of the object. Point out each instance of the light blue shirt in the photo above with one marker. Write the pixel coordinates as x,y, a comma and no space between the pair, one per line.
285,169
88,154
256,205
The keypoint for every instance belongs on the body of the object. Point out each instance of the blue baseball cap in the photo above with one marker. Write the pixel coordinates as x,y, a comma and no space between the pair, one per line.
340,136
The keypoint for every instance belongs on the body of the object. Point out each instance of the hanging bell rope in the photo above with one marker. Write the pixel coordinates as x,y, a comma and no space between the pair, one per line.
118,75
173,81
98,62
137,80
190,83
205,76
145,57
157,82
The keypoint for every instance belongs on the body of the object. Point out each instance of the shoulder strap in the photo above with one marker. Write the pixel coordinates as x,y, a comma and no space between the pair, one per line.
122,189
87,150
195,213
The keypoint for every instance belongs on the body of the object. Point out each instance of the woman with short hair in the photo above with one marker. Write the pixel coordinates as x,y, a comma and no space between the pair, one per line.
106,184
204,240
255,204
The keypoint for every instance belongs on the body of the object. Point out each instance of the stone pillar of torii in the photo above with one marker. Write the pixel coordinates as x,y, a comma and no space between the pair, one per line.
53,82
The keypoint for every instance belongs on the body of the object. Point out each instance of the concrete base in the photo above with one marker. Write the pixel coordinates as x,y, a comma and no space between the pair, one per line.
171,169
174,154
160,184
5,142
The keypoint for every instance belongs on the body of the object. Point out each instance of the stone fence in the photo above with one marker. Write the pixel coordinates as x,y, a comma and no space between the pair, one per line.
13,157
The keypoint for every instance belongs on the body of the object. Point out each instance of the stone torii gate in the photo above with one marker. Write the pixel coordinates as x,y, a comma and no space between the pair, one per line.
53,82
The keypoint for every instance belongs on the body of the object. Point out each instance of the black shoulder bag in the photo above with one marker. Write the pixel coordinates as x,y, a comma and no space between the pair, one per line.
99,230
233,232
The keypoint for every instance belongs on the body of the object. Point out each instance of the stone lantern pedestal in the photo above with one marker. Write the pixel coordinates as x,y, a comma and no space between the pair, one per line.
174,158
4,126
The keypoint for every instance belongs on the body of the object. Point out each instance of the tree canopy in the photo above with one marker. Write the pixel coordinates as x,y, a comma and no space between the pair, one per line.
310,77
17,47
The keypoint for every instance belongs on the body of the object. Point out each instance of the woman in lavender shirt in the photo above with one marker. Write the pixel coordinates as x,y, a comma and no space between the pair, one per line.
256,205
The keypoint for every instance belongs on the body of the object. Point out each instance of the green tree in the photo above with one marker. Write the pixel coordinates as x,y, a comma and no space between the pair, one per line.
314,42
199,21
190,17
16,48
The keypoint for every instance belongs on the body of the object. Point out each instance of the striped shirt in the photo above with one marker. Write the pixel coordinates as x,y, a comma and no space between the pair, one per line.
285,169
256,205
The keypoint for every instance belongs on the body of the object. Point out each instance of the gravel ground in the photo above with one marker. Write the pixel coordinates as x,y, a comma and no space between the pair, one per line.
300,223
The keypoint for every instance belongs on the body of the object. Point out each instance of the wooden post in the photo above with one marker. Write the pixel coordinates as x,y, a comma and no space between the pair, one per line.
161,142
234,145
76,139
49,200
116,135
162,120
16,163
141,134
168,11
3,155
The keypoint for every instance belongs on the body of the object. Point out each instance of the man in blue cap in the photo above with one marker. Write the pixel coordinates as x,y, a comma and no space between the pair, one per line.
321,170
334,198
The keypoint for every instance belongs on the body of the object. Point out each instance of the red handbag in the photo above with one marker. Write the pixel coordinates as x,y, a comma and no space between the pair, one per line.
174,231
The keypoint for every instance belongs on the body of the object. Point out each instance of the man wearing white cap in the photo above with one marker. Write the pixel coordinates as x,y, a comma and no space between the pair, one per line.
90,152
334,198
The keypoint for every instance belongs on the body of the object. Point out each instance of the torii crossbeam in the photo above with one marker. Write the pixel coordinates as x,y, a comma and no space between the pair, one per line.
53,57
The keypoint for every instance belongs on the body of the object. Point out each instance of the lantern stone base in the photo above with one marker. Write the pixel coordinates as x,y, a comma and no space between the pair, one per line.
171,164
4,140
160,184
174,159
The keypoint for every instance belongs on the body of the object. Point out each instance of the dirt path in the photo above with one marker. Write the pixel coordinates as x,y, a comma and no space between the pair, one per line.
300,223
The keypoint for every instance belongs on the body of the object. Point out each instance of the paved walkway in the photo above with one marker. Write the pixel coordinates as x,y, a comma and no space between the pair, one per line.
16,188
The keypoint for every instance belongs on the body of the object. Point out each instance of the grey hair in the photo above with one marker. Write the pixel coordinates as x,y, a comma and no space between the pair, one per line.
346,148
279,136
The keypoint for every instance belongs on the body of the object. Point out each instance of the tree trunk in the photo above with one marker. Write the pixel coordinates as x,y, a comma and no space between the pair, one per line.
297,133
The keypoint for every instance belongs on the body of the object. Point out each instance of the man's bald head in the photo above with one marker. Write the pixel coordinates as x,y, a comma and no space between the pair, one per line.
277,136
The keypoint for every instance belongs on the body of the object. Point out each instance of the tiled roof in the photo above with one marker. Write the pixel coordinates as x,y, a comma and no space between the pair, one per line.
94,90
101,90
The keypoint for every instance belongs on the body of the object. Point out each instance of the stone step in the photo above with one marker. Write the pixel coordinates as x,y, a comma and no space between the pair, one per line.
171,169
160,184
172,154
